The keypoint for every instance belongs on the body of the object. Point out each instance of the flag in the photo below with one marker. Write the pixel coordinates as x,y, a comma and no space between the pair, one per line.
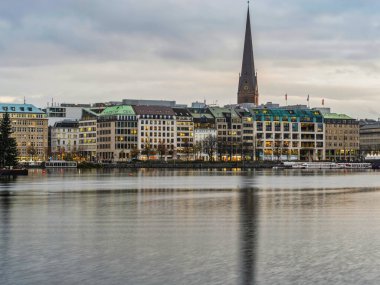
286,97
308,97
323,102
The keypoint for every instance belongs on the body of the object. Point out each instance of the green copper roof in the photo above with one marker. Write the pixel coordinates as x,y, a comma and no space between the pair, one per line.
219,112
118,110
337,116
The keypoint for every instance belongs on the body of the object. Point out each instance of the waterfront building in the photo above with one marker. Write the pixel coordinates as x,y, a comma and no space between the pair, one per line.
369,136
248,139
184,133
157,134
117,134
30,129
229,133
87,133
204,130
58,112
64,140
285,134
342,137
248,91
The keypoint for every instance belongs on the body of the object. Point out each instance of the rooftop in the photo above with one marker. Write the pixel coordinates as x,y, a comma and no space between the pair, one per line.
19,108
66,124
337,116
153,110
118,110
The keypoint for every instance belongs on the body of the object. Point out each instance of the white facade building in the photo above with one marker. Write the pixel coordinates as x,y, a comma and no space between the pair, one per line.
64,138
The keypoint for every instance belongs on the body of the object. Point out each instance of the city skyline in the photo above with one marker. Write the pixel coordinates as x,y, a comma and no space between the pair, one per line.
90,51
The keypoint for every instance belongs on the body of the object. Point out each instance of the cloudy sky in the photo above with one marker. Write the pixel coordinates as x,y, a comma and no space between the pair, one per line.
84,51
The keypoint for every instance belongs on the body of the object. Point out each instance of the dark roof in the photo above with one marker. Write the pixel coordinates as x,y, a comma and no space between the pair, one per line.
66,124
181,112
153,110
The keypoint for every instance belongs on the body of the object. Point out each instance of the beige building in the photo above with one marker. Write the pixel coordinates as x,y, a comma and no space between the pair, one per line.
157,132
64,140
30,129
87,133
185,133
288,134
229,133
342,137
117,134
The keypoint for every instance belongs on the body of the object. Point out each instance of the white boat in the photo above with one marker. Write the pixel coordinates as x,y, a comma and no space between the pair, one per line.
321,165
333,165
356,165
60,164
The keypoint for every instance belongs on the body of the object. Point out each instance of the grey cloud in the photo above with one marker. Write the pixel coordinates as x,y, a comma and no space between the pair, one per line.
83,49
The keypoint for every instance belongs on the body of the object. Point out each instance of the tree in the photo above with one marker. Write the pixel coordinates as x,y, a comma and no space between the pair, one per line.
197,148
8,145
210,145
135,152
187,149
148,150
161,148
31,151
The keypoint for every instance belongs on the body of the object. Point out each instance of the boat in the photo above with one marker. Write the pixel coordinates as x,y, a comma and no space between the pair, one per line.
356,165
321,165
59,164
333,165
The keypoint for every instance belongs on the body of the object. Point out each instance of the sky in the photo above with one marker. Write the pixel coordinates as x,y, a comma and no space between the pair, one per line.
87,51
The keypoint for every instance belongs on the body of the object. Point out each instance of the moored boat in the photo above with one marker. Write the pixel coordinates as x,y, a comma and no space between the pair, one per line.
59,164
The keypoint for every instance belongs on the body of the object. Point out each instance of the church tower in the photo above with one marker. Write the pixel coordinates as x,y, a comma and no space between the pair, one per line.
248,91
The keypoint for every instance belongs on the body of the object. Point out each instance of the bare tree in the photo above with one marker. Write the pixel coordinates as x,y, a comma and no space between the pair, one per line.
147,150
187,149
197,148
31,151
210,145
161,148
135,152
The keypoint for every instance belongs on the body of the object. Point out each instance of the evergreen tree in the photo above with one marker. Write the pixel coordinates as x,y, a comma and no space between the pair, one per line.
8,145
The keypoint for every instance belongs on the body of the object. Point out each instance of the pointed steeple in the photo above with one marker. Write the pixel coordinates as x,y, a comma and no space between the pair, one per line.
248,89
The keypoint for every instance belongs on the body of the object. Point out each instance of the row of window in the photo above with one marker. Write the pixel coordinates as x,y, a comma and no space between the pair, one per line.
155,134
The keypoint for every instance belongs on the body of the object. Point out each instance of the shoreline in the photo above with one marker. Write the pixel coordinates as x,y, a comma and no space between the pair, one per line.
182,165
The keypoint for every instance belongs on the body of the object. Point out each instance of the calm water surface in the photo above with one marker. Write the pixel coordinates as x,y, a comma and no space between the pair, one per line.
190,227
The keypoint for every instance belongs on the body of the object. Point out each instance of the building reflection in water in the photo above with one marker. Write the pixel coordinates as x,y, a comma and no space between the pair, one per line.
248,233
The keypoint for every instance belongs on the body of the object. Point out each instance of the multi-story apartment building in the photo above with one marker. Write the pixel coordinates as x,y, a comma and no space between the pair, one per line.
282,134
157,134
64,139
87,133
248,135
369,138
30,129
185,133
204,131
342,137
117,134
229,133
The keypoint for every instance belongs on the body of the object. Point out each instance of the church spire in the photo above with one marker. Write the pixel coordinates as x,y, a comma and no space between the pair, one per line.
248,89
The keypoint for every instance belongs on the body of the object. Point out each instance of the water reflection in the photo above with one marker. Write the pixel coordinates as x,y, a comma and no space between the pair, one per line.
248,235
151,227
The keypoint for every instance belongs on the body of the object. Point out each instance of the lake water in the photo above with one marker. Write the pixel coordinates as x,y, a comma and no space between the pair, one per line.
190,227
